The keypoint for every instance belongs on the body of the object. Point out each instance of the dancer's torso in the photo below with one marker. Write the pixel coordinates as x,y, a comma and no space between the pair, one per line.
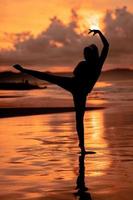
85,76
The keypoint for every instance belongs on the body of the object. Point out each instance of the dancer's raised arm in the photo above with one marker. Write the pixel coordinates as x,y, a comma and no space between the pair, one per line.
105,47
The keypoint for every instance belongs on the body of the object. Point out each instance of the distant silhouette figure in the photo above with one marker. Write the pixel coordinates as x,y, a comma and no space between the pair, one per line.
84,78
82,190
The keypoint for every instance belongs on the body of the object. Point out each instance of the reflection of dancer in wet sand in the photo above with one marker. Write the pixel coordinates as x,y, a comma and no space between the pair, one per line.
82,190
84,78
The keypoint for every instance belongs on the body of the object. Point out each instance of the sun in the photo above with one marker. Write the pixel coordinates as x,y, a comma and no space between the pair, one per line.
93,22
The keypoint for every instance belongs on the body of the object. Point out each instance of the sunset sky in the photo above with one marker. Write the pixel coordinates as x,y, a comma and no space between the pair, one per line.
51,35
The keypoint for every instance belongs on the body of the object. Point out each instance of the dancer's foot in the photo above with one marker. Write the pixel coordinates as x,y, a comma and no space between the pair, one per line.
18,67
83,150
87,152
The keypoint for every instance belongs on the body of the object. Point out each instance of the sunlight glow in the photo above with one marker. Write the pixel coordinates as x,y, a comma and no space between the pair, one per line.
95,138
94,22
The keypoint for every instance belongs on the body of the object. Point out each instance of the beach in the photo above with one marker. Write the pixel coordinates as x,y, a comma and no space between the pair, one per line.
39,154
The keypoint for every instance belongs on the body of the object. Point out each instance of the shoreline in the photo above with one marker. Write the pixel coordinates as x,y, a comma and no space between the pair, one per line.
27,111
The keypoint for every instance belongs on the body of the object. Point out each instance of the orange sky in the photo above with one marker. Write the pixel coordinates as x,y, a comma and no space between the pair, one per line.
33,15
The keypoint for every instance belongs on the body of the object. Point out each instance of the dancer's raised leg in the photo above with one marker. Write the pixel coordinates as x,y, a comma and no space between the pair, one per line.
64,82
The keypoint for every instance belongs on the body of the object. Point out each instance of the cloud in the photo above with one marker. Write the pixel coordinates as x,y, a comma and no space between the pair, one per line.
119,30
58,45
61,45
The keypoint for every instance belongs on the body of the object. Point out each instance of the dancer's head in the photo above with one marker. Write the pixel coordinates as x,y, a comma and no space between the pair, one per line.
91,53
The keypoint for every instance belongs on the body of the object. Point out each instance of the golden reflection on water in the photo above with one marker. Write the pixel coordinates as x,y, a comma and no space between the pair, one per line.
94,99
103,84
37,148
95,140
40,153
96,124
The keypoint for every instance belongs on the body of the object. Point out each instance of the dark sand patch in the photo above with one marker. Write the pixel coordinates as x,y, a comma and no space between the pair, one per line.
13,112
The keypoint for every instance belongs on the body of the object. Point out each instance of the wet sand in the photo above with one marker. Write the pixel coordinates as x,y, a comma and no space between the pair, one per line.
40,157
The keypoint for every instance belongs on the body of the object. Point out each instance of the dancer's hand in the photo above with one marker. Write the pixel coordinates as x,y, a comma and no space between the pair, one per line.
94,31
18,67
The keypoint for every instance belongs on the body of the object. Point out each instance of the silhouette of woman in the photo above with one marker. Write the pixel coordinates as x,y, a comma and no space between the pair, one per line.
84,78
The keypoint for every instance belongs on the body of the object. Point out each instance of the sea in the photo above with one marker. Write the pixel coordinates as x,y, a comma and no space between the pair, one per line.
104,93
